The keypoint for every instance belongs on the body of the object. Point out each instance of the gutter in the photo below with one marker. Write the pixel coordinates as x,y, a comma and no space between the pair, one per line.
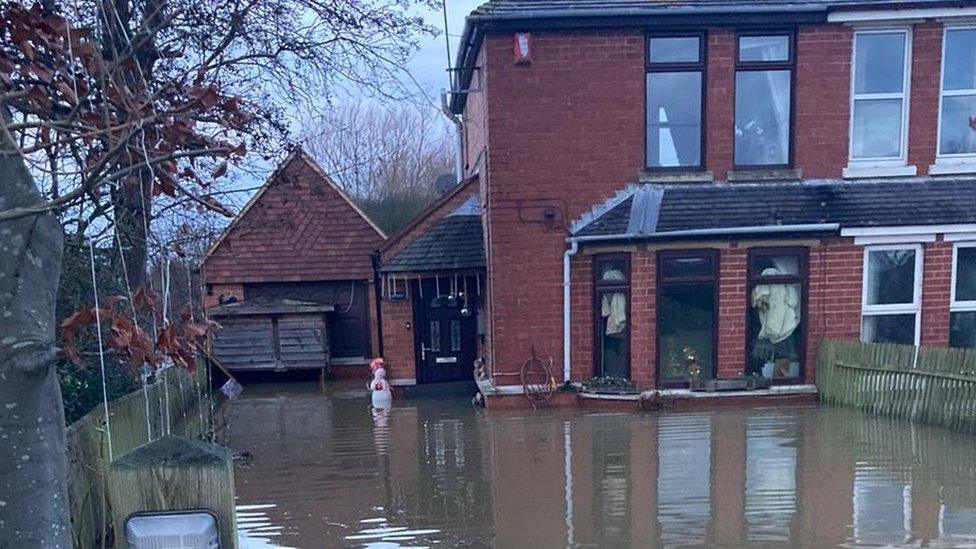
573,248
728,231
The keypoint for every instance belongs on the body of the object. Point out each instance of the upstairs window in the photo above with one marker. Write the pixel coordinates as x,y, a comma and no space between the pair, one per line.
879,105
763,100
957,120
675,65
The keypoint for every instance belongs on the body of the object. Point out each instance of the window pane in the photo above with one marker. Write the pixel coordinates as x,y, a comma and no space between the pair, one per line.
775,334
686,267
879,63
612,270
958,121
877,128
775,265
762,117
435,336
962,329
966,274
960,60
613,335
455,335
674,50
891,277
685,329
674,119
764,48
889,329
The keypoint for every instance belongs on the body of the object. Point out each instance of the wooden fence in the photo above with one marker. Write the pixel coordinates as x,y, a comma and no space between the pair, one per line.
176,404
929,385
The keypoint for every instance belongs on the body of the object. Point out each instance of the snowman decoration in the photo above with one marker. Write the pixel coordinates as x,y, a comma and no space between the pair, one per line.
379,388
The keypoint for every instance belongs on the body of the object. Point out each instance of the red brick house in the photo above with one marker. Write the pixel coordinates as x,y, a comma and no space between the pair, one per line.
719,186
302,239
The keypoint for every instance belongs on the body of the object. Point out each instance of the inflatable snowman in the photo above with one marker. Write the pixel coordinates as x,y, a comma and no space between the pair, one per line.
379,388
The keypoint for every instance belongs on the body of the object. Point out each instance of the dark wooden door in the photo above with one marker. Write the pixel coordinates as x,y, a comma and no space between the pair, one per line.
446,335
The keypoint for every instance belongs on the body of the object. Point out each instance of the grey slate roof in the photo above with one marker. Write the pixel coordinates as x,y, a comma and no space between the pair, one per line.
455,242
653,211
511,9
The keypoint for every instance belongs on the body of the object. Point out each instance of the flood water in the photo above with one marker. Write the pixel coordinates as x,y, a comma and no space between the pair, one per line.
322,472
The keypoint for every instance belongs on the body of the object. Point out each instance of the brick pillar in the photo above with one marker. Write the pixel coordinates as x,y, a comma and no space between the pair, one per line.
936,280
731,352
719,109
581,314
924,107
643,318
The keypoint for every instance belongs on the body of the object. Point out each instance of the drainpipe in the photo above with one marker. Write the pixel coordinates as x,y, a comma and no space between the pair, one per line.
573,248
378,293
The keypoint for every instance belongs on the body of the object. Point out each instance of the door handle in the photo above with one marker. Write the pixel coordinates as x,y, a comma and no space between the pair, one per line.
423,351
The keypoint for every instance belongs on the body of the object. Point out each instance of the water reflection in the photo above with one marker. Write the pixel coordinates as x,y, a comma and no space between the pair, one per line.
326,473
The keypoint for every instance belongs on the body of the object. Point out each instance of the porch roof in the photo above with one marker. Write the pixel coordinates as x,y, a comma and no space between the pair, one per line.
453,243
663,211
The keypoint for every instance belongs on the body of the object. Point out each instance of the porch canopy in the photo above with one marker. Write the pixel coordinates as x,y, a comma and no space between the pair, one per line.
454,243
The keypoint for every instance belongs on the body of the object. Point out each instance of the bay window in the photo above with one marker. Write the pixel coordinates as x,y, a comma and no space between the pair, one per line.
962,315
957,106
879,103
675,68
763,100
892,294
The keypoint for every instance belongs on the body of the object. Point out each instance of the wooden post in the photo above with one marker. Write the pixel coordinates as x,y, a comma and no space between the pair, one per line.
174,474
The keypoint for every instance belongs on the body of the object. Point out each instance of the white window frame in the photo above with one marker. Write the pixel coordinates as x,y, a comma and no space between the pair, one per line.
954,163
956,306
881,166
891,309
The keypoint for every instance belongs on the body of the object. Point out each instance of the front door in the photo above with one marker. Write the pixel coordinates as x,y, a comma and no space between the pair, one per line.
446,333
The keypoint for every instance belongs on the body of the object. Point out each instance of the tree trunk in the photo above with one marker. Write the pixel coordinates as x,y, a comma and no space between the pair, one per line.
131,203
33,449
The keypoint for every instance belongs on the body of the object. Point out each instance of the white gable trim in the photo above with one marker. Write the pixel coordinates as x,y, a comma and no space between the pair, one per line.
906,234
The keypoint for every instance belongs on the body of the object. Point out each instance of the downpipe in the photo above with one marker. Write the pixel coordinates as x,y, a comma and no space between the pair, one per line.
567,360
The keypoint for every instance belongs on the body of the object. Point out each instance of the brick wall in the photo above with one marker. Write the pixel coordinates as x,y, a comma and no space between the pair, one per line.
936,282
731,352
833,296
924,104
719,102
822,110
398,339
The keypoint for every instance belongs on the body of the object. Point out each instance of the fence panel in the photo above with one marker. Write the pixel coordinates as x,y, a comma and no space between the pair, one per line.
929,385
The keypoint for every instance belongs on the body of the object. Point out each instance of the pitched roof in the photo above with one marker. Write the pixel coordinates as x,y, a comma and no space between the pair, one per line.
443,200
298,226
455,242
660,211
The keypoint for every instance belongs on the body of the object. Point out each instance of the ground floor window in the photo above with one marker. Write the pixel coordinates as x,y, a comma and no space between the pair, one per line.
687,287
962,316
611,287
892,294
777,279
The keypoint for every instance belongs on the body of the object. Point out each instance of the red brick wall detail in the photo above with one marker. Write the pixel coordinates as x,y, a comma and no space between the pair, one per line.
936,282
719,103
731,352
834,296
924,106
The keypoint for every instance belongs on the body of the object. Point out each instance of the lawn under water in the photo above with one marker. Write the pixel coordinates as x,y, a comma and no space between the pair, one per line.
323,472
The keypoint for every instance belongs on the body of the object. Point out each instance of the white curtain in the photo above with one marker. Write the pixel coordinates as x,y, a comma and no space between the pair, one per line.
778,307
614,305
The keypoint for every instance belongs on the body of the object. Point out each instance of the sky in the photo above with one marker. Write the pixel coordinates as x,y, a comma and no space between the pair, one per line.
429,66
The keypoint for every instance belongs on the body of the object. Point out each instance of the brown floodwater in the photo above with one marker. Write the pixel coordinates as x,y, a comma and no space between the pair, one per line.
323,472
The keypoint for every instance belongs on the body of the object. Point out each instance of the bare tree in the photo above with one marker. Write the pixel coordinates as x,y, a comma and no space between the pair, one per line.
105,107
387,158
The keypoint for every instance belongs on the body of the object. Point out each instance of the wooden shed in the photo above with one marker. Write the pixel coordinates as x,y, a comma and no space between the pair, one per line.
272,335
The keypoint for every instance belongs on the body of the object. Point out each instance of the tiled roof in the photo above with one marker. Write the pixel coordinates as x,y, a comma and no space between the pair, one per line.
744,205
299,227
455,242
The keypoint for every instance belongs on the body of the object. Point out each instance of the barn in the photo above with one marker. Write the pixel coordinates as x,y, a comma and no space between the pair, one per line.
295,263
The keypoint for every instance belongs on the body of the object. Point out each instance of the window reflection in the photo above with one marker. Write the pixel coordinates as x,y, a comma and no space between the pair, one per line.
770,478
882,507
684,478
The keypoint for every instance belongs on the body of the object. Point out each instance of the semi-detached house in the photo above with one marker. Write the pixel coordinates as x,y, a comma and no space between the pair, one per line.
717,185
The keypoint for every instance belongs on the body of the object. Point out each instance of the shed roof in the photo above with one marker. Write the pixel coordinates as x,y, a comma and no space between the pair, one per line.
453,243
300,226
660,211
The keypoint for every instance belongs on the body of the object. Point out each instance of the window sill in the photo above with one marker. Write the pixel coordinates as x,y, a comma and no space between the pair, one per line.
651,175
856,171
952,168
765,174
